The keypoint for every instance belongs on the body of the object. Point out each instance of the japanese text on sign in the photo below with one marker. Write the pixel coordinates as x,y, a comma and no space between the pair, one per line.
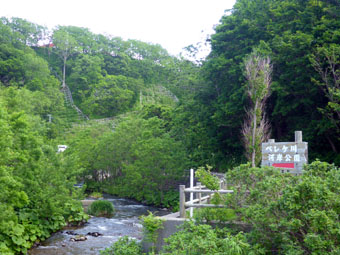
279,153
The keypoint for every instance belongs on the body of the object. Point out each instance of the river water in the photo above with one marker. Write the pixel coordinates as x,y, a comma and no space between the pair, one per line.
125,222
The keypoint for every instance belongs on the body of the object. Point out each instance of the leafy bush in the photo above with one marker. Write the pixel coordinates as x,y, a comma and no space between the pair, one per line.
101,208
214,214
151,225
124,246
74,214
207,179
96,195
203,239
290,214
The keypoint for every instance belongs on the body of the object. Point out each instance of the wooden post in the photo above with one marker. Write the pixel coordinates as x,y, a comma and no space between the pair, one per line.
199,194
223,184
181,201
298,136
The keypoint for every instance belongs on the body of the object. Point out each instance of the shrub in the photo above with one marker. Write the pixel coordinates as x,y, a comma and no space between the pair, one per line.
101,208
214,214
290,214
74,214
151,225
207,179
96,195
203,239
124,246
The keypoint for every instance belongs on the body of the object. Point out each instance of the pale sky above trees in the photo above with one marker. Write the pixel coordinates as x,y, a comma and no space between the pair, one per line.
173,24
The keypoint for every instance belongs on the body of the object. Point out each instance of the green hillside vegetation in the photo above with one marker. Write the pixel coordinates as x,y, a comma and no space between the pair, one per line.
137,117
290,32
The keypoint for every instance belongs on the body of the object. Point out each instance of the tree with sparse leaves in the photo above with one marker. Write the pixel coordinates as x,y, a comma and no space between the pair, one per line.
326,61
66,45
256,128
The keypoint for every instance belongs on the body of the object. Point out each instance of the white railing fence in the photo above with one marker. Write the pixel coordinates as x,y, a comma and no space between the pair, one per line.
200,201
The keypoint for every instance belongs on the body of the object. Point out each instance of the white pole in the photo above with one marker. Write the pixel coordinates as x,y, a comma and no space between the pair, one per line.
49,118
191,194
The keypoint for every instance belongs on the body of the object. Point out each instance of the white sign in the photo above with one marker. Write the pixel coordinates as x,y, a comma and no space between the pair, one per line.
288,156
62,148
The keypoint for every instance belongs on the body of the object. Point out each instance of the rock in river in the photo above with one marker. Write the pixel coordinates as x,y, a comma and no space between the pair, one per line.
78,238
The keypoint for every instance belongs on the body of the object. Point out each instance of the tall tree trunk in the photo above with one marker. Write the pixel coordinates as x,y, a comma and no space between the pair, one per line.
331,143
255,129
253,156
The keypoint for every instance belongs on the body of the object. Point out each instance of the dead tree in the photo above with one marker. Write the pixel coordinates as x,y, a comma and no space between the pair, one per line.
256,128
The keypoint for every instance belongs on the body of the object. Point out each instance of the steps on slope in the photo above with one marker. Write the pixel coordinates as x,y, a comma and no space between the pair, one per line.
69,101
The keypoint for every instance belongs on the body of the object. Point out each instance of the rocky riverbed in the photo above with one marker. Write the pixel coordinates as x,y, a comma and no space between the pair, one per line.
99,232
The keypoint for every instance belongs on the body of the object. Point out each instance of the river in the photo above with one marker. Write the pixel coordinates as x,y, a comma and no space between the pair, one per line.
125,222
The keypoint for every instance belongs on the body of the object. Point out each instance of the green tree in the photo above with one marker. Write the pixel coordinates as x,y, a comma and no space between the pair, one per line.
139,159
28,33
154,162
112,95
86,74
66,45
292,30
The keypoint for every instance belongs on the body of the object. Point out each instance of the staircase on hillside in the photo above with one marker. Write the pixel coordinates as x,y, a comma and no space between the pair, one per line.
69,101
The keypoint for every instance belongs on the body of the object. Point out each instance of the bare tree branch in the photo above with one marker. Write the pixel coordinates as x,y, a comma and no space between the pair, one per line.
326,61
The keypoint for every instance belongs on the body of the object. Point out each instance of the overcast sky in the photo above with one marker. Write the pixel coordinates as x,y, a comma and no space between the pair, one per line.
173,24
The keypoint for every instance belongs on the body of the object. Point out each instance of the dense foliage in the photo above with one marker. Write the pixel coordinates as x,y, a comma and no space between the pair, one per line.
107,75
139,159
203,239
165,114
37,193
285,214
290,32
289,214
36,185
124,246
